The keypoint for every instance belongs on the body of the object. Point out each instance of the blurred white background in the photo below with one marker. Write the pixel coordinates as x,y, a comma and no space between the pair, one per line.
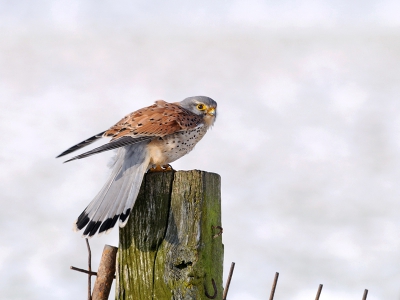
306,140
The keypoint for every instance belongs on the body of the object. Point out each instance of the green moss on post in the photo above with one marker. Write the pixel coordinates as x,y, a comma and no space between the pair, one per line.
167,249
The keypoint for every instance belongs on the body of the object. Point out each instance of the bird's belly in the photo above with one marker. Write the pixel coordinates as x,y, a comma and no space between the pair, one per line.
172,147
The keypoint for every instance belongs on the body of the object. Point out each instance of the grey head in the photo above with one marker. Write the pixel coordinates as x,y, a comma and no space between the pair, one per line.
200,105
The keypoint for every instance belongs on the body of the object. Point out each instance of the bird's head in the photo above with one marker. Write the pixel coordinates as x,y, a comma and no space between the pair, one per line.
201,105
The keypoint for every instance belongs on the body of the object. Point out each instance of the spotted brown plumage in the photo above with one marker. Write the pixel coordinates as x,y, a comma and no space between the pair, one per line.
159,119
152,136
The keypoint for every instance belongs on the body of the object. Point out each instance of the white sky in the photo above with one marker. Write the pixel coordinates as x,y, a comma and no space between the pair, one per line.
306,141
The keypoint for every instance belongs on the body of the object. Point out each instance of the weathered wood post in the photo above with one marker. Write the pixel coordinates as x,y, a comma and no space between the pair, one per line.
105,273
170,248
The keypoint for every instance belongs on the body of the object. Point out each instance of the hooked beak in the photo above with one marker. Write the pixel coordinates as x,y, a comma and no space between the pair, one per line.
211,111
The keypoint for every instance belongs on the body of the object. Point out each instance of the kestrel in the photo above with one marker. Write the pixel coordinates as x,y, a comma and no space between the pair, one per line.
150,137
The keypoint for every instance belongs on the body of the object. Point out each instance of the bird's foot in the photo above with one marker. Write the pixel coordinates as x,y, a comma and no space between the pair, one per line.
167,168
159,168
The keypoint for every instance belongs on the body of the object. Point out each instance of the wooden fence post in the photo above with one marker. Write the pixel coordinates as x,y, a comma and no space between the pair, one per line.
170,248
105,273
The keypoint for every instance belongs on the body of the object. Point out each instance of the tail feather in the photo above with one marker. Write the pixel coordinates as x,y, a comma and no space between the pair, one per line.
117,197
122,206
108,213
133,193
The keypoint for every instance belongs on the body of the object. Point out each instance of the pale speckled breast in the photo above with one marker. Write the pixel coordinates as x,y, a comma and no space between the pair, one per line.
171,147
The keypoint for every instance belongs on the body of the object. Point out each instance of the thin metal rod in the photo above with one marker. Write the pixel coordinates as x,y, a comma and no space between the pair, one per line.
228,281
271,296
89,270
83,271
365,294
319,292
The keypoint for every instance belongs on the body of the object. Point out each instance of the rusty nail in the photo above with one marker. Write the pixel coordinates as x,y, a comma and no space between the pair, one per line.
83,271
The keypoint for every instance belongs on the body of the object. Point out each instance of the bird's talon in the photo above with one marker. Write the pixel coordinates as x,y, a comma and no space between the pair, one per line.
159,168
167,168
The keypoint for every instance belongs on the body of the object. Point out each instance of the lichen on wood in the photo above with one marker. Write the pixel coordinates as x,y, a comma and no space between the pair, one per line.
168,250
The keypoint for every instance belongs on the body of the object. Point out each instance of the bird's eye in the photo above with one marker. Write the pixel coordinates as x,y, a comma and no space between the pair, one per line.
201,107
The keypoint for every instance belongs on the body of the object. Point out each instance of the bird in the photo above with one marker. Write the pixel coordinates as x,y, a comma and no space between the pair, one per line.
148,138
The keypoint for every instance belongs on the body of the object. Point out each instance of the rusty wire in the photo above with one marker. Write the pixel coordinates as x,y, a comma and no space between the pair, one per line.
215,290
220,231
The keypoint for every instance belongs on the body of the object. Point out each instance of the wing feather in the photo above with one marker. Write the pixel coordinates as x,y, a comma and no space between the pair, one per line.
121,142
157,120
82,144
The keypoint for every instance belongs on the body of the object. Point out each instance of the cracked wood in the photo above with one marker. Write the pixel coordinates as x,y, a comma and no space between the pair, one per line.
167,249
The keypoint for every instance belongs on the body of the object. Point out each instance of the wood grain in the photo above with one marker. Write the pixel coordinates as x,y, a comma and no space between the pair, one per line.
167,249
